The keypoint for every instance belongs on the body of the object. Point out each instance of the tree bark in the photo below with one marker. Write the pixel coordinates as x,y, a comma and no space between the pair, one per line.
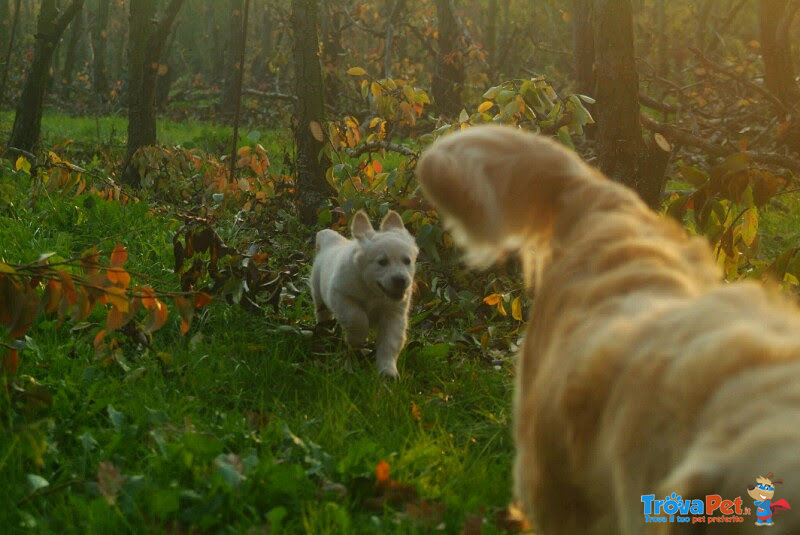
776,51
233,67
583,46
621,151
99,41
73,52
49,29
146,40
9,49
312,161
448,71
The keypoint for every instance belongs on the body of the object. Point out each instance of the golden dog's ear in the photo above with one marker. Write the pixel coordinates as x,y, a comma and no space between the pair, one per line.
360,227
391,221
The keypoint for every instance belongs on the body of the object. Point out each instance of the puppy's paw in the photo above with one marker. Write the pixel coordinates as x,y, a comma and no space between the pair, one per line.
389,371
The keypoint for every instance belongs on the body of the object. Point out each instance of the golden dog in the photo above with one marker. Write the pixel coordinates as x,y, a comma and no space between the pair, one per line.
642,372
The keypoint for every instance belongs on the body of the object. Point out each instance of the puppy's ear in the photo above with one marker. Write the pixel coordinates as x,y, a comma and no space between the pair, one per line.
360,227
391,221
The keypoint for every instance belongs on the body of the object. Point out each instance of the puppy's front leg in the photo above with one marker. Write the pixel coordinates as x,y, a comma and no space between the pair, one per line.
391,339
353,320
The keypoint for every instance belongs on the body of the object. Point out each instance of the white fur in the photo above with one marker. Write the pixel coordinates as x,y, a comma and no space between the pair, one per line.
366,282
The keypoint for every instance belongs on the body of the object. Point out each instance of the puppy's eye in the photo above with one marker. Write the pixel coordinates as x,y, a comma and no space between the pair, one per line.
383,261
406,260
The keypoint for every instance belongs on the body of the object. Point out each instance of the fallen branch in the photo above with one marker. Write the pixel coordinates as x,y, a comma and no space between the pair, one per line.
680,136
268,94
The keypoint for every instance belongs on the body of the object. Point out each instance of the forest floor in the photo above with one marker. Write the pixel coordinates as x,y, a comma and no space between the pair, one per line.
243,425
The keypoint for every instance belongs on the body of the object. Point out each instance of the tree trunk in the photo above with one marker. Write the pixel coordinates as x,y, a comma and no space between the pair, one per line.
448,71
312,161
9,48
260,68
49,29
99,40
583,46
231,89
332,50
777,51
73,52
621,151
146,40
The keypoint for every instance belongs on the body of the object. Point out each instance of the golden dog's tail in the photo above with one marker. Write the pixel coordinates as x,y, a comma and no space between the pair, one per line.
502,189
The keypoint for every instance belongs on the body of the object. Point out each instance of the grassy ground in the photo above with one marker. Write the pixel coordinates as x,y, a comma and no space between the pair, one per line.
242,425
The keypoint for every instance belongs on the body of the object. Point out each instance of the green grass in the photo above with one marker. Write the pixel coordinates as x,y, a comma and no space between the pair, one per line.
60,129
242,424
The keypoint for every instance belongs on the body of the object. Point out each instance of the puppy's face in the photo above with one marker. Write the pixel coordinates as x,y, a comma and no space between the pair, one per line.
386,258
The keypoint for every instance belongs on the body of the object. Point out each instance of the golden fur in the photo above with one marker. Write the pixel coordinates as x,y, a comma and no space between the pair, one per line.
642,372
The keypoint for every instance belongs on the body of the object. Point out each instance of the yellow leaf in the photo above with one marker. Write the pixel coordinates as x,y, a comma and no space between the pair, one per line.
750,226
23,164
356,71
54,157
485,106
376,89
501,309
492,299
316,131
516,309
565,16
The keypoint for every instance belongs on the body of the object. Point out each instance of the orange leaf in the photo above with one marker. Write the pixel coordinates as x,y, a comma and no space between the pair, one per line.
416,412
382,472
156,318
202,299
99,337
117,275
119,255
11,362
70,293
377,166
185,311
116,296
53,296
148,297
492,299
114,319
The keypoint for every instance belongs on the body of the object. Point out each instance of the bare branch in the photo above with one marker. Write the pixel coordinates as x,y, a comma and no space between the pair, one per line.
374,146
683,137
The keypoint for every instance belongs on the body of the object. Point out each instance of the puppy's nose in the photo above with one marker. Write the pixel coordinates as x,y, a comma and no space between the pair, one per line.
399,282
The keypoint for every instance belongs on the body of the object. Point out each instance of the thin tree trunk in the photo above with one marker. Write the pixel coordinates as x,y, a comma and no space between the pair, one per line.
49,29
312,161
448,72
7,59
233,67
146,41
75,35
777,52
99,40
621,151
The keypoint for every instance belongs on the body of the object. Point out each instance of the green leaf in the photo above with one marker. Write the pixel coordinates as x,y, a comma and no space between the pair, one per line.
36,482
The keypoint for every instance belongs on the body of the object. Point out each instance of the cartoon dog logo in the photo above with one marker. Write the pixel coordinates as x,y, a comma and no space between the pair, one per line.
762,493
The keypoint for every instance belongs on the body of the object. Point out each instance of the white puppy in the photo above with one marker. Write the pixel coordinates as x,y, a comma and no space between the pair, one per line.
367,282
